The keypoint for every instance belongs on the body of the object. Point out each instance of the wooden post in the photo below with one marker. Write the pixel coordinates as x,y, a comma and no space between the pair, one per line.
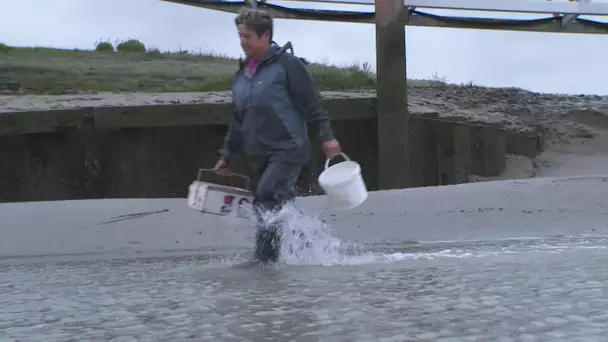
393,116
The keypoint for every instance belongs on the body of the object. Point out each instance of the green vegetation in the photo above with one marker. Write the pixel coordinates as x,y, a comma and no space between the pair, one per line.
105,46
131,45
4,47
131,67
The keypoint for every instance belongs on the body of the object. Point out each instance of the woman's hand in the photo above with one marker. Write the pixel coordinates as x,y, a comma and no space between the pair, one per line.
332,148
222,168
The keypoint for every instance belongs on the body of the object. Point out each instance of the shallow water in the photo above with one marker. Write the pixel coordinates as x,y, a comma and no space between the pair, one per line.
186,276
547,289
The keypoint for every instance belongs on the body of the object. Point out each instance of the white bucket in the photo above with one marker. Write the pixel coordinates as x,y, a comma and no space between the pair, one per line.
343,184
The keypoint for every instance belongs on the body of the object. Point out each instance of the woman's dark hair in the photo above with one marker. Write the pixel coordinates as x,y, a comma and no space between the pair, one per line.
258,20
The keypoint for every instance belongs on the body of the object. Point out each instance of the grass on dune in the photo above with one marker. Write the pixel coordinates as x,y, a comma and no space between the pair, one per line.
131,67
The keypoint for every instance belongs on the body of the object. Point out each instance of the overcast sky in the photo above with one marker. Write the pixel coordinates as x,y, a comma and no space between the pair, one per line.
543,62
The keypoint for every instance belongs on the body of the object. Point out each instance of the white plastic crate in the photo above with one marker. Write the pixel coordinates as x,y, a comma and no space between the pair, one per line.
219,199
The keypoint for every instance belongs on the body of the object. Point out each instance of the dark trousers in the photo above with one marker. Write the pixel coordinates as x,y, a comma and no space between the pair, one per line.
275,187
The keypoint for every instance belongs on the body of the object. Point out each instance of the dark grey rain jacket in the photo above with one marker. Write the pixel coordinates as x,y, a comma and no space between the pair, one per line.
273,110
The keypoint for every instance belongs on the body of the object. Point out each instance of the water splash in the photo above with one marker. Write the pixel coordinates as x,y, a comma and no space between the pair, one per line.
308,240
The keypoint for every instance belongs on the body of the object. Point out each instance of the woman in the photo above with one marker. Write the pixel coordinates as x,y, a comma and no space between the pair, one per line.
275,99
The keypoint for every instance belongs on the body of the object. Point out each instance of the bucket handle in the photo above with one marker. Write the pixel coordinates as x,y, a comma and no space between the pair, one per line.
232,174
330,158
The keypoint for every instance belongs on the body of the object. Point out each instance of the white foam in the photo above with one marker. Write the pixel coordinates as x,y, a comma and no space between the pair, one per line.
307,240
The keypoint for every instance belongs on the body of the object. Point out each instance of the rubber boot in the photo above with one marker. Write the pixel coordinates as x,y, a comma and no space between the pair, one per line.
267,245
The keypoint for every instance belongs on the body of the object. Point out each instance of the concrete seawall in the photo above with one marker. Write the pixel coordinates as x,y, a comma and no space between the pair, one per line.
92,150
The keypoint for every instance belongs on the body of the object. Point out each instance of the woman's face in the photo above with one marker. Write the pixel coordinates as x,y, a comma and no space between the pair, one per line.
253,46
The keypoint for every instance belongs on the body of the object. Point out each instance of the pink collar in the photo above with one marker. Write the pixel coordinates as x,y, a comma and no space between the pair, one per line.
252,65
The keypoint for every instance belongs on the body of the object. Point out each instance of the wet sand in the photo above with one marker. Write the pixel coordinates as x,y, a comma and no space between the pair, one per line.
495,261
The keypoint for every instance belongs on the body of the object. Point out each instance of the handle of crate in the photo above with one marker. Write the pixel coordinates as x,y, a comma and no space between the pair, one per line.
232,174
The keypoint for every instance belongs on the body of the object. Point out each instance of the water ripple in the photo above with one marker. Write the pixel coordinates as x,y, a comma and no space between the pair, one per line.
533,289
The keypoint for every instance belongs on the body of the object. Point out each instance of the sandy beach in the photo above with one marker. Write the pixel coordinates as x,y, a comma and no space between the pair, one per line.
478,268
570,154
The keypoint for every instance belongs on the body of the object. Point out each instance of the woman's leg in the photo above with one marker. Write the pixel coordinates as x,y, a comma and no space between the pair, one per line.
274,189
